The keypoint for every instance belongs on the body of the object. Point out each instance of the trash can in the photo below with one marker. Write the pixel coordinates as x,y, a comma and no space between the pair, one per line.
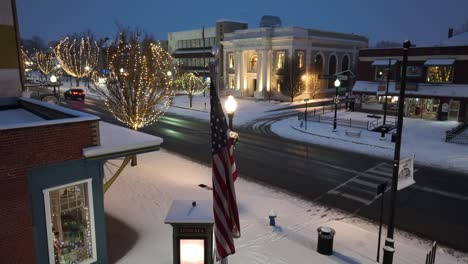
325,240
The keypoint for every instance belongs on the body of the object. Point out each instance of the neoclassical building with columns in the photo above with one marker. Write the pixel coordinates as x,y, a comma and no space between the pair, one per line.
256,59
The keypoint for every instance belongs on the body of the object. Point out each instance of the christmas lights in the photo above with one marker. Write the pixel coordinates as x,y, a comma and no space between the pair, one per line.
140,83
191,85
45,62
78,56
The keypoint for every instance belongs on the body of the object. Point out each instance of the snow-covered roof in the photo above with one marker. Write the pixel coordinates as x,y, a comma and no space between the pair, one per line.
384,62
431,62
119,141
182,211
457,40
25,118
423,89
17,116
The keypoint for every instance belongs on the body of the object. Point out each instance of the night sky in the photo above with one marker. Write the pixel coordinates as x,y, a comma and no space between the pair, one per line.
424,22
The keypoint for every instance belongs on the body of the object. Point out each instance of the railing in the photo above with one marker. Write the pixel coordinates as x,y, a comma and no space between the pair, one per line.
455,134
390,121
430,257
348,122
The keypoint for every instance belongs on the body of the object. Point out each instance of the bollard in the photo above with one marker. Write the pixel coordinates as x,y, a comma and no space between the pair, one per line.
272,216
325,240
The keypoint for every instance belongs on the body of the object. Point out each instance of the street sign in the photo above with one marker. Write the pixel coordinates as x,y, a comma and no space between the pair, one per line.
406,173
306,100
342,77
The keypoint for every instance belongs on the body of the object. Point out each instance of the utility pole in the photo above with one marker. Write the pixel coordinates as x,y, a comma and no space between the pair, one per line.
204,63
389,248
386,91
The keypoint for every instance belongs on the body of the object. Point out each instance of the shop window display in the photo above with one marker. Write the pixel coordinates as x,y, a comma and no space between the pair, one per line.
71,227
439,74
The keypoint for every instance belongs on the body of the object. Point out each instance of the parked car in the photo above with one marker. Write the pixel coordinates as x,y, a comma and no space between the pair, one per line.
75,94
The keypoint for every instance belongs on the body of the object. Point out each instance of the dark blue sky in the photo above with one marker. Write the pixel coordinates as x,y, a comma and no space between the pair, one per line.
425,22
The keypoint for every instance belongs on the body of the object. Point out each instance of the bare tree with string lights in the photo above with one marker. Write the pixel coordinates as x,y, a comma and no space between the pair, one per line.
140,84
78,56
45,62
191,84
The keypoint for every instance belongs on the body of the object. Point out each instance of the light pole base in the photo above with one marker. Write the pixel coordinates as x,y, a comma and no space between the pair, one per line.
388,254
334,130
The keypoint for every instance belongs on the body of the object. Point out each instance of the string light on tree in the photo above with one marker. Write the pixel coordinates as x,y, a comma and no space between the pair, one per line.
45,62
77,56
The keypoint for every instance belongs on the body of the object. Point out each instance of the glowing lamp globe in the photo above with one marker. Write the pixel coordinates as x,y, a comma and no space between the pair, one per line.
53,79
337,83
230,104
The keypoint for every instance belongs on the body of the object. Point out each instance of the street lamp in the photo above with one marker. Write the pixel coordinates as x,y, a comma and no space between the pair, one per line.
336,101
87,77
53,79
231,106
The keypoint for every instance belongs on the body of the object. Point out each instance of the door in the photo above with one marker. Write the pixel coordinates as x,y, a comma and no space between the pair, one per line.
454,108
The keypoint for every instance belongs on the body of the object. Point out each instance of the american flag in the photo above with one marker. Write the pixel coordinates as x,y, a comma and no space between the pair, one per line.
224,174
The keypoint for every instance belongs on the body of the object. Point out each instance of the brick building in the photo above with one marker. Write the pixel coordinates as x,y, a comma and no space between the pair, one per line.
437,83
51,169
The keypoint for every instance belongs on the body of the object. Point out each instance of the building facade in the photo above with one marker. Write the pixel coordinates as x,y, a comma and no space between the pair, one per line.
193,48
258,61
437,83
52,170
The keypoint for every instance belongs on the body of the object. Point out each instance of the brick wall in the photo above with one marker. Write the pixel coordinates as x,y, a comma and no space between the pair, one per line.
20,150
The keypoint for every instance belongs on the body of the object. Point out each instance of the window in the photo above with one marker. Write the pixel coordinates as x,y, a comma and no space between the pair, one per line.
279,84
231,81
280,60
331,70
300,59
253,63
439,74
231,60
345,63
319,64
70,223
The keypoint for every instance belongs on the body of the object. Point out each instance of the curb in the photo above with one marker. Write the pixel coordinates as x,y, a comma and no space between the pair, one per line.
335,138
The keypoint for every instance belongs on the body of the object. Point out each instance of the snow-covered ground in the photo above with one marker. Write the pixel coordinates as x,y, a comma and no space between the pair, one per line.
425,139
137,204
247,109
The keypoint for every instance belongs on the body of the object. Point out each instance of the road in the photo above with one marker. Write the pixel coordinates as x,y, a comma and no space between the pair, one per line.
434,208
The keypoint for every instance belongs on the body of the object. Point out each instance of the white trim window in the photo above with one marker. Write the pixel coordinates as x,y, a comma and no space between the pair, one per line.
71,234
280,59
231,60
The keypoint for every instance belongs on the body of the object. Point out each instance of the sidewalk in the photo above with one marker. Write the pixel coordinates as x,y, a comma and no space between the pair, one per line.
142,195
420,137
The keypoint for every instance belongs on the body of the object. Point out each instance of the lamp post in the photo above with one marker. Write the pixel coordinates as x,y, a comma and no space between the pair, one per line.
87,74
336,101
389,249
386,91
53,80
231,106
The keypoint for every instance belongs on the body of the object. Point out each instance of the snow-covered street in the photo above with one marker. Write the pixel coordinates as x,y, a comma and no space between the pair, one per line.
139,200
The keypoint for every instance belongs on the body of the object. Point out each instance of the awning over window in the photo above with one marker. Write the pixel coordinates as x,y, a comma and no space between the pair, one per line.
117,141
436,62
384,62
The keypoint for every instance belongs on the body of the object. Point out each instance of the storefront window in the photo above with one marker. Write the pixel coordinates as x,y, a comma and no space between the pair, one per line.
69,214
439,74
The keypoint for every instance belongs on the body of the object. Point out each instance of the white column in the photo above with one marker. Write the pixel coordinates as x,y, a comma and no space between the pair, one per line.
260,56
237,65
269,56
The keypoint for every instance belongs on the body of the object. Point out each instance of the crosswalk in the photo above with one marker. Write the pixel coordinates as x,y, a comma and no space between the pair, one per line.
362,188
